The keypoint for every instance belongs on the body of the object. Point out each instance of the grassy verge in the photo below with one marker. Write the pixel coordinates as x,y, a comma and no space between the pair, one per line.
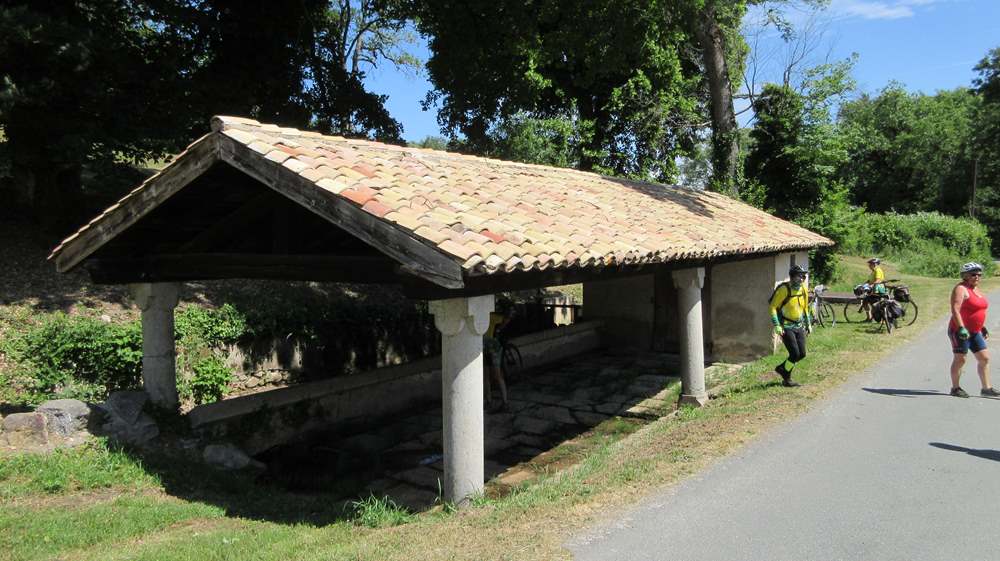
174,513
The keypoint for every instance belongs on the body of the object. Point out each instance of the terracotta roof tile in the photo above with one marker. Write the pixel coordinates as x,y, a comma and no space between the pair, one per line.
494,216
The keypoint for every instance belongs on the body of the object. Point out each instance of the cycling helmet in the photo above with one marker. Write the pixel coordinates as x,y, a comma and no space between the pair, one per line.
875,260
972,267
797,271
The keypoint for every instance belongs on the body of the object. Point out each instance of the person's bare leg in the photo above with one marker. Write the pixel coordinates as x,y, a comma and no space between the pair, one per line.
983,366
487,390
501,383
957,362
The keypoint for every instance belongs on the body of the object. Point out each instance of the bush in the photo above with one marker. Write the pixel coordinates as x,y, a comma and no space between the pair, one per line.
210,380
208,326
79,356
925,243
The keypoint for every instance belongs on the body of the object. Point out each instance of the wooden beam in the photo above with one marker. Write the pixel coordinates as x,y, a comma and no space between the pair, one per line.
194,162
527,280
225,228
425,261
211,266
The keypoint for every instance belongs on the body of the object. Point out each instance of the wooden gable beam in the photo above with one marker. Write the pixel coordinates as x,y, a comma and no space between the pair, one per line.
211,266
414,255
227,227
123,214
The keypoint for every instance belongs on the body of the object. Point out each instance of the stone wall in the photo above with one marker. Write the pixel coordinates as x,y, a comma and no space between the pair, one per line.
626,306
741,325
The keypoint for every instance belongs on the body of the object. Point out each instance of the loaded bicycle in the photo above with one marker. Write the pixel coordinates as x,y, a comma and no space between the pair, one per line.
859,308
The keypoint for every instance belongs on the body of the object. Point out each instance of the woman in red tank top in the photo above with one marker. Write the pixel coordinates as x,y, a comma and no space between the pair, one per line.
967,330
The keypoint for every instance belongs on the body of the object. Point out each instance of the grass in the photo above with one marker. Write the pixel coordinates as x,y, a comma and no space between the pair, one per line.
103,505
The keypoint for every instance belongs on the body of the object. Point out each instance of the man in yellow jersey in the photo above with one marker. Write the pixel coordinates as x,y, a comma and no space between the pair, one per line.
789,309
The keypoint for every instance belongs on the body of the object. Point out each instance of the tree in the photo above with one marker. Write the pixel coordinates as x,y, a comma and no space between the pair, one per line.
911,151
95,84
713,22
82,81
432,143
350,36
986,145
619,68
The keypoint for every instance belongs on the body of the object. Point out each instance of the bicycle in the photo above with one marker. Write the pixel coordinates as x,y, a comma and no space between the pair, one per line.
857,311
510,359
901,294
822,310
880,307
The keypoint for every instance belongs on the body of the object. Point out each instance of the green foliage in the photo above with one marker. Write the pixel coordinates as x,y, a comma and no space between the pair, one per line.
911,152
554,142
986,145
626,70
210,326
79,356
210,380
925,243
375,512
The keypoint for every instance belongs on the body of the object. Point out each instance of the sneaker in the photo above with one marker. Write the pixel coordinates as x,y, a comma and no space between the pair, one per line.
989,392
958,392
788,383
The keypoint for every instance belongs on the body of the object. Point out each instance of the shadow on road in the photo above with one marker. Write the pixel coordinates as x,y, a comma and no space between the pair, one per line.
985,453
898,392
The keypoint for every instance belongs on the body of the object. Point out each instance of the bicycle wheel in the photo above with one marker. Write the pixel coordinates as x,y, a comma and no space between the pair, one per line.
826,315
510,360
911,310
854,312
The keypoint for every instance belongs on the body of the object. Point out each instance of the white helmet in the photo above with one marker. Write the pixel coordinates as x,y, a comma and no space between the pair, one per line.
972,267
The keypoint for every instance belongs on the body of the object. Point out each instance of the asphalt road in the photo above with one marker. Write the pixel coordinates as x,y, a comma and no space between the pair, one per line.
889,468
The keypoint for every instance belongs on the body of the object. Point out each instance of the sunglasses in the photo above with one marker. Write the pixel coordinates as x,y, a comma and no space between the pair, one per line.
973,274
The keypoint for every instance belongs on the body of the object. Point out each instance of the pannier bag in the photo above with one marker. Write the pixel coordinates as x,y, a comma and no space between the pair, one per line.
901,293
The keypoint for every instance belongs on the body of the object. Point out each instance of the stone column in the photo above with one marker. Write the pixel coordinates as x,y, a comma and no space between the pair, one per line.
159,375
689,283
462,323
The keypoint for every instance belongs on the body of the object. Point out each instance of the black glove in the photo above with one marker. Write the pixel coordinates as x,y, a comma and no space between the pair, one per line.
985,332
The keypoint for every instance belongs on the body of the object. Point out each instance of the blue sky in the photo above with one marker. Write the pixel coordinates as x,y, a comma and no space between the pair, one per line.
927,45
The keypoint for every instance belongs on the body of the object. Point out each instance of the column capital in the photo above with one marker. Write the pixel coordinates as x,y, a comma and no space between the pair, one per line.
689,278
160,295
451,316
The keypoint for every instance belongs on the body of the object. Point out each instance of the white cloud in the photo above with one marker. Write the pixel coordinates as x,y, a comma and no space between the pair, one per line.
873,9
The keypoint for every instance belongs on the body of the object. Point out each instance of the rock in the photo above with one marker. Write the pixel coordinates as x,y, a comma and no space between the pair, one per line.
275,376
66,417
24,430
125,422
229,457
125,406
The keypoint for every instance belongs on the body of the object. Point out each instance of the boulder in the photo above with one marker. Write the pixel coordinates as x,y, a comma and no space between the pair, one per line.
125,406
25,430
228,457
125,421
66,417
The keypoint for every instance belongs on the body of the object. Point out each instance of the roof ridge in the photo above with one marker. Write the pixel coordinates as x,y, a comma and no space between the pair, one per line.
221,123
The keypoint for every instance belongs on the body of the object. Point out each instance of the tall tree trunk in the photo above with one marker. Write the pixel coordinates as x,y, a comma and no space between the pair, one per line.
725,134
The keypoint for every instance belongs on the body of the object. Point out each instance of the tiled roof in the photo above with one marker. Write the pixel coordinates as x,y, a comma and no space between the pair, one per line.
495,216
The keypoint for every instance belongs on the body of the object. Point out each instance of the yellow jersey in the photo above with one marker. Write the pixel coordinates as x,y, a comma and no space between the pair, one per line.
796,303
878,276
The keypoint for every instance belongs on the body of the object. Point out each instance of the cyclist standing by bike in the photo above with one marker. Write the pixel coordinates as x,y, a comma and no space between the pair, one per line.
494,355
789,307
876,282
967,330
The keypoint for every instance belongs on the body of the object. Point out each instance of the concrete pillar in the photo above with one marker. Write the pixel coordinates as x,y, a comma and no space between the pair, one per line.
159,375
689,283
462,323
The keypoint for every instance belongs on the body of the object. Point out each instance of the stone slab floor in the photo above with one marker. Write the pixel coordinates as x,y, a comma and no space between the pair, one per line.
402,459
